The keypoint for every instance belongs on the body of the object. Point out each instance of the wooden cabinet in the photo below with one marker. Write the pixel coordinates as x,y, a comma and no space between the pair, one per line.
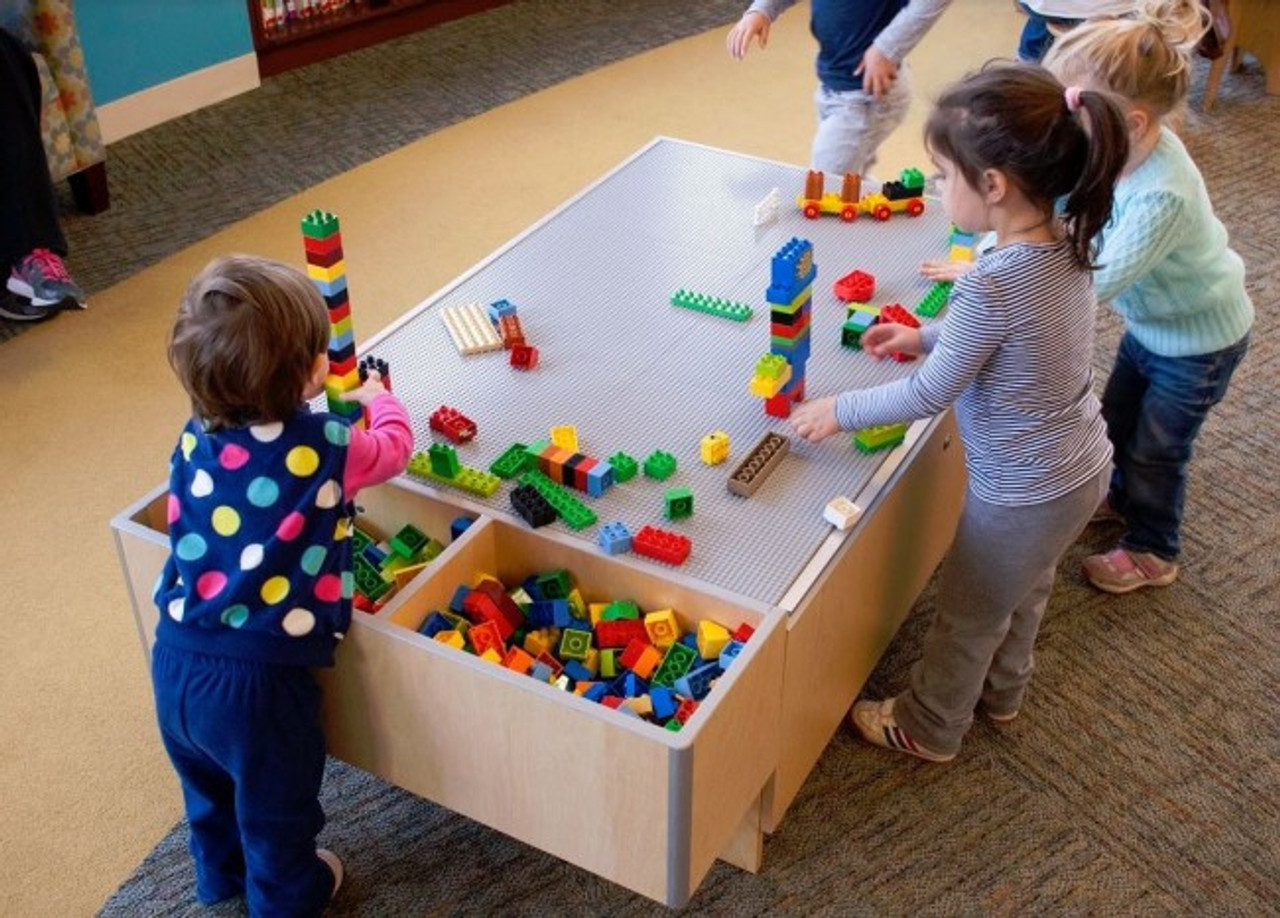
315,32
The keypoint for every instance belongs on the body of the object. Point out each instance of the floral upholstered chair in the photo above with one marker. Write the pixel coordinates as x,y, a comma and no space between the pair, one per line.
68,121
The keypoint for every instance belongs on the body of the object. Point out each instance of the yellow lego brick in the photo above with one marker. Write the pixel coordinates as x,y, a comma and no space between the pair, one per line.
491,656
711,639
405,574
482,576
714,448
592,662
663,628
862,307
452,638
961,253
566,437
577,605
764,387
538,642
595,610
329,274
641,704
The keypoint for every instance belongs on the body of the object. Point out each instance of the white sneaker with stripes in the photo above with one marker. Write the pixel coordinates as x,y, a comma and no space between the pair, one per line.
875,721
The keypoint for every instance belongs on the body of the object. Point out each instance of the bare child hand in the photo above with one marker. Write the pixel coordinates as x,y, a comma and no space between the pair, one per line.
751,25
816,420
942,270
878,72
367,391
882,340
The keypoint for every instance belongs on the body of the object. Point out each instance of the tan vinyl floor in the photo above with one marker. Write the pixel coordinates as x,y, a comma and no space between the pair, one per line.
85,789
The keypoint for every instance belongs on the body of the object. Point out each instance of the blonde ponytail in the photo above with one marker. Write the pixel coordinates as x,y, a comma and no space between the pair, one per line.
1145,58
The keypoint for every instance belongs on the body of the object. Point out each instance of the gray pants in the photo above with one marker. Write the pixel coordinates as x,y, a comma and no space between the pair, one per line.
992,592
852,125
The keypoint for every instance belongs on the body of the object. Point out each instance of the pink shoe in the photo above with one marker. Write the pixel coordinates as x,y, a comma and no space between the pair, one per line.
875,721
1123,571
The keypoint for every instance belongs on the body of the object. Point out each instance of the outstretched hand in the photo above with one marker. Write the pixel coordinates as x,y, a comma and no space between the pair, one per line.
883,340
751,25
367,391
816,420
877,71
940,270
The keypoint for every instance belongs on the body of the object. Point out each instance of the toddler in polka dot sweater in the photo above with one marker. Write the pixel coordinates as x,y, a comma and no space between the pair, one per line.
258,586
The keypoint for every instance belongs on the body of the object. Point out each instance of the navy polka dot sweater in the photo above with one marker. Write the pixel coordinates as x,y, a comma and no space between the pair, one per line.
259,527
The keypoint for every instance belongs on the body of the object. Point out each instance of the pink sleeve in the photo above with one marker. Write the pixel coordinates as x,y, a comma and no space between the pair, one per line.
382,451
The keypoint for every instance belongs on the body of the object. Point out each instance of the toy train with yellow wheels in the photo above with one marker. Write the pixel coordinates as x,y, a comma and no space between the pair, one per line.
906,194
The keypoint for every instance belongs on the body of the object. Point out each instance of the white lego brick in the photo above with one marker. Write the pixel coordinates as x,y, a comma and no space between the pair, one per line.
767,209
842,513
470,328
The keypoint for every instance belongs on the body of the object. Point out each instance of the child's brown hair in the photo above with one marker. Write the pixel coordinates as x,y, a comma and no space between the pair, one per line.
1018,119
1146,57
246,340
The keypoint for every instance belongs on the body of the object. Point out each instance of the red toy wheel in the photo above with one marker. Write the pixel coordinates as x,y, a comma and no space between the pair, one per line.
882,212
915,208
849,214
811,210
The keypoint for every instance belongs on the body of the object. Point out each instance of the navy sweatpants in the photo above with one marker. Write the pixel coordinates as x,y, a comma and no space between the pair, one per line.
246,741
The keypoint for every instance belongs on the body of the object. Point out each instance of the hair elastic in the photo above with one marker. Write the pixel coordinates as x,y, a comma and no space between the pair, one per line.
1072,95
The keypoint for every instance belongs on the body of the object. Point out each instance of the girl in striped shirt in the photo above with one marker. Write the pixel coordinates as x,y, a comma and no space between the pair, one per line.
1013,355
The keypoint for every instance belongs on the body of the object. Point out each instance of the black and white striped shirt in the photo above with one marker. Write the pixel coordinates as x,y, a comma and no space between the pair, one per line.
1013,353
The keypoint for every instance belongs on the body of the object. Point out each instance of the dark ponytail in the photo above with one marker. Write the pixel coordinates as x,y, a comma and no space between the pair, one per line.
1088,205
1016,118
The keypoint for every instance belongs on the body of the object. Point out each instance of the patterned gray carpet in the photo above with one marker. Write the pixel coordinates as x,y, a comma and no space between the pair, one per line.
1144,775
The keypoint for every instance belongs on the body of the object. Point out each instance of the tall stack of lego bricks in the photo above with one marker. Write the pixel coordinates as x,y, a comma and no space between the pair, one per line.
328,271
790,297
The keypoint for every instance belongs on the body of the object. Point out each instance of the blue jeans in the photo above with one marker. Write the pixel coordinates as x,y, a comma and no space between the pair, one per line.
1035,39
1154,407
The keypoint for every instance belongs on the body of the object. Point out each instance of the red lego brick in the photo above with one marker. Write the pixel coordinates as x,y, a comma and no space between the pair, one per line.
486,636
453,424
620,633
856,287
524,357
631,656
686,709
895,314
661,545
612,701
481,608
323,248
507,606
338,313
780,330
556,666
778,407
512,333
743,633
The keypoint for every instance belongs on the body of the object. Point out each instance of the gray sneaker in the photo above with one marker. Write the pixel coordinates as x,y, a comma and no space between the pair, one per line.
43,279
18,309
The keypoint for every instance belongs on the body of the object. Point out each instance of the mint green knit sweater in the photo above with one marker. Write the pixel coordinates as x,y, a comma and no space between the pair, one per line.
1166,265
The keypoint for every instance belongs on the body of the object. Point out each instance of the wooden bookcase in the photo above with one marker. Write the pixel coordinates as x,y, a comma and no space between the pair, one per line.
357,25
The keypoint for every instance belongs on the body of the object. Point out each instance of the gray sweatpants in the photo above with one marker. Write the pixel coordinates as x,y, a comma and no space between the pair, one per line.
853,124
992,592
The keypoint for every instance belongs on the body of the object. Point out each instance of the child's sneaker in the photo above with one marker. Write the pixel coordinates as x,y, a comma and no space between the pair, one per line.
1122,571
1000,718
334,863
19,309
43,279
875,721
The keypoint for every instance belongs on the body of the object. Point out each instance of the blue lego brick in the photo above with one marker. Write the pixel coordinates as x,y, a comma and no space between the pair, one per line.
791,270
499,308
600,479
530,585
455,604
690,640
342,341
342,355
329,288
596,692
664,705
459,526
546,613
374,555
730,653
435,623
615,538
633,686
697,682
542,672
577,672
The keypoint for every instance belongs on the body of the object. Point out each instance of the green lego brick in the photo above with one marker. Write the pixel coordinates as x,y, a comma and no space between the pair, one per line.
359,540
512,462
712,305
444,460
851,335
428,552
574,512
679,503
771,365
619,610
319,224
473,481
575,644
679,660
673,725
555,584
408,541
883,436
624,467
934,300
368,579
660,465
912,178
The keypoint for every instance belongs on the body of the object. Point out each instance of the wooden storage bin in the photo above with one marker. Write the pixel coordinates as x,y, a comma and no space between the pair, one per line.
636,804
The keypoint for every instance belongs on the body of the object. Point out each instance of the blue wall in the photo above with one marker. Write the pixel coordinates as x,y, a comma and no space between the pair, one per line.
131,45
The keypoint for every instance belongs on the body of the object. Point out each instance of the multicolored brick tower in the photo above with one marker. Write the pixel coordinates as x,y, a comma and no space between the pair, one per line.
325,266
779,377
